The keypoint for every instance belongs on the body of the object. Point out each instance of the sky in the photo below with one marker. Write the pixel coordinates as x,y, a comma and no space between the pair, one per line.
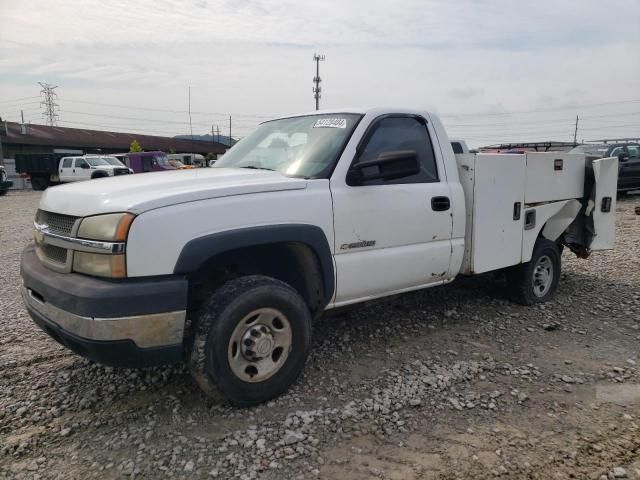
495,70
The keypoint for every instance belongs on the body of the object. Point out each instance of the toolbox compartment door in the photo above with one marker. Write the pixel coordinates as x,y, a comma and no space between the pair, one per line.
498,211
605,171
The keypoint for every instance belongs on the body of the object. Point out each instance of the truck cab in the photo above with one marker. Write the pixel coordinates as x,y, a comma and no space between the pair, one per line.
87,167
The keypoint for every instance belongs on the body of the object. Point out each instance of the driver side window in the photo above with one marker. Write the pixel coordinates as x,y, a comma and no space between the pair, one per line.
80,162
392,134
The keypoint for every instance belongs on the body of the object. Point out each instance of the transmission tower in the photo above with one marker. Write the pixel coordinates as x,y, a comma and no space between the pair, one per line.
49,103
317,89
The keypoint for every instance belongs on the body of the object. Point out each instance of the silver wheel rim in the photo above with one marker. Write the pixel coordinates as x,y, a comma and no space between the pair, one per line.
542,276
259,345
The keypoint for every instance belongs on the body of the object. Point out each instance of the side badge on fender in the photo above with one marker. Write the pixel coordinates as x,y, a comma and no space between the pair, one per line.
361,244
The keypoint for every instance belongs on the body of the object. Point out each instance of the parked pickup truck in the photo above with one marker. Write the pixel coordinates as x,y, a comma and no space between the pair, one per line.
46,169
226,267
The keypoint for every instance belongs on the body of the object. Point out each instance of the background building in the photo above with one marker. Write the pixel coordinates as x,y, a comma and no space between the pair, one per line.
27,138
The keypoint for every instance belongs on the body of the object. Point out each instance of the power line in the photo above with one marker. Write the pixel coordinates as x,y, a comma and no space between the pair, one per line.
118,128
557,109
49,102
14,100
129,107
150,120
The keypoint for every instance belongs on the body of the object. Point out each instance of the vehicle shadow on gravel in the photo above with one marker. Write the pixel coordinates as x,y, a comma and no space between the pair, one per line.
352,345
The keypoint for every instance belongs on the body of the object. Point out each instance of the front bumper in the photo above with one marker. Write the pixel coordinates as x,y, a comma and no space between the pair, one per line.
133,322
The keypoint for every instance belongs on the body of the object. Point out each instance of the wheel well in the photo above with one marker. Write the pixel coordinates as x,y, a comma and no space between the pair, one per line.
99,174
294,263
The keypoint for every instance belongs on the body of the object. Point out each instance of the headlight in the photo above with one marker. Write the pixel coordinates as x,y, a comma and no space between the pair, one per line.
100,265
113,227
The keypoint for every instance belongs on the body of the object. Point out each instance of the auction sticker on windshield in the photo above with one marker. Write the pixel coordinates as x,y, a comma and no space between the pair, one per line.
331,123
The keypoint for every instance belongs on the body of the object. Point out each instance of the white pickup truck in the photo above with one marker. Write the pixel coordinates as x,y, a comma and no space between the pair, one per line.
47,169
226,267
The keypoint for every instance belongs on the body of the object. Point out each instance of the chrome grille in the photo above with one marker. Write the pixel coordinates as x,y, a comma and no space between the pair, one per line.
58,223
54,254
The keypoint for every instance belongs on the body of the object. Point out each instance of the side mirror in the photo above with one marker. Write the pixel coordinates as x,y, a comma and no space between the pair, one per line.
387,166
623,157
84,165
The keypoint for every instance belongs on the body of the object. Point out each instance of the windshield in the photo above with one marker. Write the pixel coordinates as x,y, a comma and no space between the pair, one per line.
297,147
97,161
113,161
162,160
596,150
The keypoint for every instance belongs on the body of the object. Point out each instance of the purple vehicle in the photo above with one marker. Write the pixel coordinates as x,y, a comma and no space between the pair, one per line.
141,162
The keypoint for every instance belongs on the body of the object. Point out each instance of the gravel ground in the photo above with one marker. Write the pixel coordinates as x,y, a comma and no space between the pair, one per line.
451,382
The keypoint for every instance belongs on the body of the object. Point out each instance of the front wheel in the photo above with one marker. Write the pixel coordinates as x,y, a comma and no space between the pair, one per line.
252,340
537,280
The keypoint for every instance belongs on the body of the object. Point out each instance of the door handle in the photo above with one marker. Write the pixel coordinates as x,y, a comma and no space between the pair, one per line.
517,210
440,204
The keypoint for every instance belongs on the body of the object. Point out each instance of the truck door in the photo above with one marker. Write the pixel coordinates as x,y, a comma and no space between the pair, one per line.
147,163
392,235
630,168
66,169
605,171
81,170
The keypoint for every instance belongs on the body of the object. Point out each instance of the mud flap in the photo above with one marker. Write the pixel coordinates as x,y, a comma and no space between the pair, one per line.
602,205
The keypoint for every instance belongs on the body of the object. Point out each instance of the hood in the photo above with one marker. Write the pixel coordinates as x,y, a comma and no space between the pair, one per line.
146,191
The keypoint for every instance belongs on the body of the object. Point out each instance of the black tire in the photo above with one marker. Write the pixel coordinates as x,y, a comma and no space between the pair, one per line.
3,193
99,175
524,281
39,183
218,323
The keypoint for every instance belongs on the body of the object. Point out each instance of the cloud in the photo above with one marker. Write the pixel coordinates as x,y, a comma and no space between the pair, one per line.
254,57
465,92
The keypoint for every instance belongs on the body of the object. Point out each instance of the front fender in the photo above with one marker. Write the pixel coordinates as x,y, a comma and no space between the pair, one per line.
197,251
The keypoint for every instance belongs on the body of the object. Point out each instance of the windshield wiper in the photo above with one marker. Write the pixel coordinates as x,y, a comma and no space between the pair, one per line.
253,167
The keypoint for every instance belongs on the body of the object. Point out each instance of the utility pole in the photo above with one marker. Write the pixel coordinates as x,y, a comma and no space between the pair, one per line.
230,141
190,125
218,132
213,135
316,80
49,102
575,133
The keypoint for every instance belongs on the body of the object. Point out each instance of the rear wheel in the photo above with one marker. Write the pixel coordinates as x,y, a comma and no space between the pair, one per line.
39,183
252,339
537,280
